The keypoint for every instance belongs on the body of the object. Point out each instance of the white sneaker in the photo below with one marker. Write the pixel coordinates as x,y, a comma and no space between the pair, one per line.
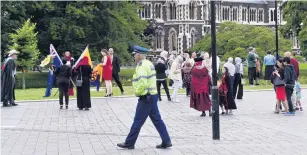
175,101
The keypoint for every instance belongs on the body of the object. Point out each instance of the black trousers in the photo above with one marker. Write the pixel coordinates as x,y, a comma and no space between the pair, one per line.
237,87
117,80
63,91
289,92
165,88
251,74
188,91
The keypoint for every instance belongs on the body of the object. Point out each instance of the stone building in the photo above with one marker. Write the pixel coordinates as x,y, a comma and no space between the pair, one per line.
181,23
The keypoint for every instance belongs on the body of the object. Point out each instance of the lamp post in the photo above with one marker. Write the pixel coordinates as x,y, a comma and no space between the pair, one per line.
215,103
276,29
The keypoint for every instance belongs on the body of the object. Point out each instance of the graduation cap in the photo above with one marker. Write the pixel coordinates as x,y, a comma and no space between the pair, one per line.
138,49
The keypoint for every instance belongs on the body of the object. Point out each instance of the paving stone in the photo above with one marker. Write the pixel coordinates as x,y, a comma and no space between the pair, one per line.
41,128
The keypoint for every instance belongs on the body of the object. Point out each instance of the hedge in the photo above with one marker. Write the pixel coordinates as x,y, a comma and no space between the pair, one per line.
39,80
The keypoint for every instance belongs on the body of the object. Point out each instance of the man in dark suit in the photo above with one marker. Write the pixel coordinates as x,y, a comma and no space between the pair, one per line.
116,70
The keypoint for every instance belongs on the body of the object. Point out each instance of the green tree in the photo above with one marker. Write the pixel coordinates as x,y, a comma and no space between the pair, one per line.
295,13
72,25
25,41
233,40
12,17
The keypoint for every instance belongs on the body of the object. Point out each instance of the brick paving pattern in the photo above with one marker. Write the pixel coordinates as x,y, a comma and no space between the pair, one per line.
41,128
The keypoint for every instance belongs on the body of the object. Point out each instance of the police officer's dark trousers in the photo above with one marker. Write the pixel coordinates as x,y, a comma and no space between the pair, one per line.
143,110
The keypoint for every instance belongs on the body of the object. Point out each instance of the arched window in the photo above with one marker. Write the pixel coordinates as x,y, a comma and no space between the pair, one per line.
192,10
217,17
140,13
149,11
223,13
234,14
172,40
172,11
244,14
193,37
260,15
158,10
143,12
159,34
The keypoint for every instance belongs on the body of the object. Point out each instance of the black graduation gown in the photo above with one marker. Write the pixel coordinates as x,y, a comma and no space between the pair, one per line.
8,81
230,100
73,76
83,93
238,87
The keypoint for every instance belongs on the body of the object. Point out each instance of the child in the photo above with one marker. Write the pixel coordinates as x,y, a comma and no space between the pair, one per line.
223,91
298,96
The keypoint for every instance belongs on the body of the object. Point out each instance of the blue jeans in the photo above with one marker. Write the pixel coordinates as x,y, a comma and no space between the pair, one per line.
143,110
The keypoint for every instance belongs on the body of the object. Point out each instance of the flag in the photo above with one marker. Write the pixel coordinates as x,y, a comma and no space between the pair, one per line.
49,84
86,53
46,61
97,77
56,62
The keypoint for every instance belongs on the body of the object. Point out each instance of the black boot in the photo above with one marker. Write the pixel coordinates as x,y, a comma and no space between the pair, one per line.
164,146
203,114
5,104
125,146
14,104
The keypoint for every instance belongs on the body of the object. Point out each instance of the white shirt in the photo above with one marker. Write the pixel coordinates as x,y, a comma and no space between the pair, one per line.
217,63
231,68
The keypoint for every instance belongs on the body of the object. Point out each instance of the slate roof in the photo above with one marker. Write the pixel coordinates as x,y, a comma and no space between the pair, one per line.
247,1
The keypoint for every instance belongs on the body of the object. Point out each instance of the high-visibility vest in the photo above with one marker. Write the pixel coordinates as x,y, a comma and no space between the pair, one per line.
144,78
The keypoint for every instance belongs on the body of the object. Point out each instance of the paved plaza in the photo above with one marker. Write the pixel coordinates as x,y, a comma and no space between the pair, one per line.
41,128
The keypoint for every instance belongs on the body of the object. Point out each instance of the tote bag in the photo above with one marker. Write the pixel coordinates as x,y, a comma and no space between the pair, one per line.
79,82
278,81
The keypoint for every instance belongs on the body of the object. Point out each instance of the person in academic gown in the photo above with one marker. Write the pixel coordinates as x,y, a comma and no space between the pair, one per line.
8,72
200,87
227,101
83,92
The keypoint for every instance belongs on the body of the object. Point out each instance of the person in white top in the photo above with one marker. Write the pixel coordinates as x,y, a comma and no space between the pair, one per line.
175,75
207,62
217,63
193,56
231,69
238,79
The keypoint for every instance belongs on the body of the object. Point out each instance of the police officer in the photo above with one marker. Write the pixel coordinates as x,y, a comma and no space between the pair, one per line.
144,84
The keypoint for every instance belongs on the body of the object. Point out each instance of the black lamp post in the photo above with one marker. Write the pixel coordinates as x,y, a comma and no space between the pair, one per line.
276,29
215,97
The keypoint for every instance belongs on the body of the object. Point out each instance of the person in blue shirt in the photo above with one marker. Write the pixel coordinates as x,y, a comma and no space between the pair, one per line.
269,62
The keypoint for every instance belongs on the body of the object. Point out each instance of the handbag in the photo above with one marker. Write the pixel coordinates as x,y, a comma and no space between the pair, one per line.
278,81
79,82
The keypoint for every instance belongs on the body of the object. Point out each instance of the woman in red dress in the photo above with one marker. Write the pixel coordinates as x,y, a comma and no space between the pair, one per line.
107,71
279,89
200,87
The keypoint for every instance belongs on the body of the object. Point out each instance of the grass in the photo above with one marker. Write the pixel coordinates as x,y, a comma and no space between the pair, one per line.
37,94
